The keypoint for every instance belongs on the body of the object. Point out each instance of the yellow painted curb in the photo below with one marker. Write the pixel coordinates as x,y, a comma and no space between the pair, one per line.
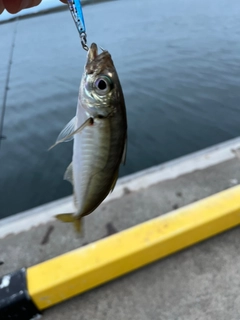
77,271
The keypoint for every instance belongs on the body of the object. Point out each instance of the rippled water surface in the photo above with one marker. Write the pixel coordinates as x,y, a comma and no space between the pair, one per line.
179,65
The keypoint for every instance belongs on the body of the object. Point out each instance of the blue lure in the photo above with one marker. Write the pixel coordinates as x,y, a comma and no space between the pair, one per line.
77,14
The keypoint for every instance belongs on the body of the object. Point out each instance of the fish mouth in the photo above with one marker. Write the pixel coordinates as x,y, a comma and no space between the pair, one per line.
97,63
92,53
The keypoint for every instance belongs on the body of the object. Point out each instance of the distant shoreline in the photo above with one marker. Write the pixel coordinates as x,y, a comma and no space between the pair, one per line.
30,15
50,10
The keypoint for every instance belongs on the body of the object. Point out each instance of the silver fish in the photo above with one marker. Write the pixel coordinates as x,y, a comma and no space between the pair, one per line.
99,130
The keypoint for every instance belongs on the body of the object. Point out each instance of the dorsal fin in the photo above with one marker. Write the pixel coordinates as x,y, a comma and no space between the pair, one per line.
124,154
114,181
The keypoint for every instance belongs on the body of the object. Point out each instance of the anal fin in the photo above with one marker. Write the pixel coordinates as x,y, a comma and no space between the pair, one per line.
68,175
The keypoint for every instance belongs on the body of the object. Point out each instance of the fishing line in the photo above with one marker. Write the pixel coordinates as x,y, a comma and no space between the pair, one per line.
4,105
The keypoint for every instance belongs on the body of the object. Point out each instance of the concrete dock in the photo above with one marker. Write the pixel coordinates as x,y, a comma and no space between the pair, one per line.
201,282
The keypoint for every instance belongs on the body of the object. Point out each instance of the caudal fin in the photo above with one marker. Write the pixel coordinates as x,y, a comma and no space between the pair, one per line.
70,217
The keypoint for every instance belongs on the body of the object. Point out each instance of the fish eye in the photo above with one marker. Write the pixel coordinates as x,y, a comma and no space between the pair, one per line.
103,85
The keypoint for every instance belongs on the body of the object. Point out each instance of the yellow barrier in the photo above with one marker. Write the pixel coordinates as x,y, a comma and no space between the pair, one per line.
72,273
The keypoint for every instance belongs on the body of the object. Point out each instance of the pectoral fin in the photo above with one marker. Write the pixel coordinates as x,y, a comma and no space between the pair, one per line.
70,217
88,122
67,131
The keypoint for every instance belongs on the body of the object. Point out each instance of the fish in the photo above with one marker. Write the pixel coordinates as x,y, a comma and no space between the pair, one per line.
99,134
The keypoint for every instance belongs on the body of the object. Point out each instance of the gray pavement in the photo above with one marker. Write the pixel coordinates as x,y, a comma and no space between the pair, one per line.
201,282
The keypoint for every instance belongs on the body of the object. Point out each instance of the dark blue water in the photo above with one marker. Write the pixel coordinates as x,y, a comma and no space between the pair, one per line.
179,65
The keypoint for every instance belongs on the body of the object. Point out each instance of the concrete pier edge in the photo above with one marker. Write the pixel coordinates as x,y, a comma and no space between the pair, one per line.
134,182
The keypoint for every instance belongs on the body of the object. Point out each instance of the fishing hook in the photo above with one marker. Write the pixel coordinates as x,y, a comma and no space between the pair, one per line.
77,14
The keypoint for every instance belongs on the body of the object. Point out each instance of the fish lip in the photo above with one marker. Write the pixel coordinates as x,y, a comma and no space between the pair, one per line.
92,53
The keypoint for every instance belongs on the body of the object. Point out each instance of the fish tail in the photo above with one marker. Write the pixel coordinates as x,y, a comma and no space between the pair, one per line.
78,226
75,220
